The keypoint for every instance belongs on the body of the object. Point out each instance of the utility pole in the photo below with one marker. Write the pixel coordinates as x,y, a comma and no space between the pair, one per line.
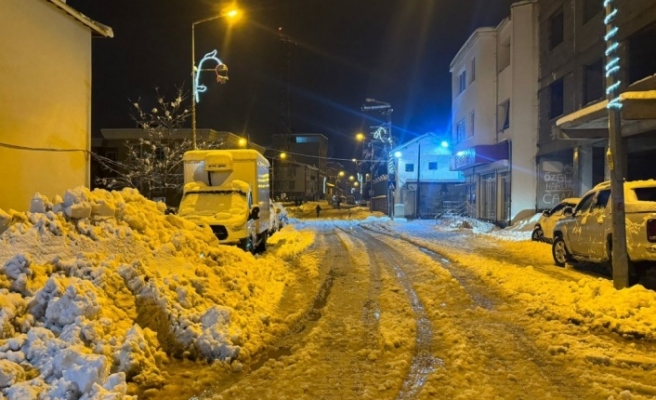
384,134
616,155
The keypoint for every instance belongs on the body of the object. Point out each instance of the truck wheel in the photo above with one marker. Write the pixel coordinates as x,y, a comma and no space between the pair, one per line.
246,244
261,247
560,253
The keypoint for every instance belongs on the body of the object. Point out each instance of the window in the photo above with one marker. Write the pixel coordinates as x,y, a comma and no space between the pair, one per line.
307,139
556,92
556,29
409,167
591,8
645,194
159,153
602,199
462,82
585,204
111,154
593,81
503,55
472,71
460,131
503,116
472,121
432,166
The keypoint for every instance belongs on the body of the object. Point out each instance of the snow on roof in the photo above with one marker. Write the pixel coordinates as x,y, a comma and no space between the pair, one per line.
97,27
597,107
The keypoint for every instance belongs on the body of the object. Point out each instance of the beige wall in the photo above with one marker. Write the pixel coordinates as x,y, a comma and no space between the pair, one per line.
45,92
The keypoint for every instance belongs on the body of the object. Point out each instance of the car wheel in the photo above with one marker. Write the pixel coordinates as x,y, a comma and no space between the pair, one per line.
537,235
560,253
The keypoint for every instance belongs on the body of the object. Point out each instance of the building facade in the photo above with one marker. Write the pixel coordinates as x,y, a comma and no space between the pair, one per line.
424,184
573,123
495,116
115,144
304,171
45,92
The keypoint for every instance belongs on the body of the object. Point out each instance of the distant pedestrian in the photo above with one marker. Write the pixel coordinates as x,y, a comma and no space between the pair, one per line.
318,210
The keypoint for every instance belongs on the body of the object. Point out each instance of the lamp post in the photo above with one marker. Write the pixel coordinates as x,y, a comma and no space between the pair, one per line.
194,100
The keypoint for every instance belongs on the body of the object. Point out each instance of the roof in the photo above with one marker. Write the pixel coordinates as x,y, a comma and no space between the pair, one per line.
415,140
469,43
96,27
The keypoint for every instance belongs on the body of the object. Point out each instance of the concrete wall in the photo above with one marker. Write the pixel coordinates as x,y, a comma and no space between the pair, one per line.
523,132
46,101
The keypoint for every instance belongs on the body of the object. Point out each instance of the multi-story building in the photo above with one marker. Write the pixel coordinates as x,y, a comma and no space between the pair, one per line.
573,124
303,173
494,116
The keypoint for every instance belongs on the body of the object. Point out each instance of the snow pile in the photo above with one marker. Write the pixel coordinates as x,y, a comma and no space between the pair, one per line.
99,289
520,230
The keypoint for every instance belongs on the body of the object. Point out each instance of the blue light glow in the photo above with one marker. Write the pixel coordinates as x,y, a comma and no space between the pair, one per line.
445,143
397,154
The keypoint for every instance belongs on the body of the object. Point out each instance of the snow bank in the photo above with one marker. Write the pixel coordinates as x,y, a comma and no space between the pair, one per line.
98,289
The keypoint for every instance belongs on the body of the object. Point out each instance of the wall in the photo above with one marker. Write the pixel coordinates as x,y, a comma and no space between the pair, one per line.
46,101
479,96
523,131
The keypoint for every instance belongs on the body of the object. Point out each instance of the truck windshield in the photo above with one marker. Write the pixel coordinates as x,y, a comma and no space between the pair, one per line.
210,203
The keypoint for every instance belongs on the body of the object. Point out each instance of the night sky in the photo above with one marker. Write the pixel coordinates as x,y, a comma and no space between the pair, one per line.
397,51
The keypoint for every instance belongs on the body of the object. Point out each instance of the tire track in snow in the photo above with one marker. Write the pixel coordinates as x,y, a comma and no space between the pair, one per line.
423,362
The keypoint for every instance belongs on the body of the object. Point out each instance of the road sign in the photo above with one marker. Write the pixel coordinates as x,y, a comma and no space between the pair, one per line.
391,186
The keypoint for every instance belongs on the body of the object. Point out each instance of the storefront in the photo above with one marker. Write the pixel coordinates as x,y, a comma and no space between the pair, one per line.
487,175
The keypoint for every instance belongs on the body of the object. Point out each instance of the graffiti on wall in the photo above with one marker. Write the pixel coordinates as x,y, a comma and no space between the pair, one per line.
556,182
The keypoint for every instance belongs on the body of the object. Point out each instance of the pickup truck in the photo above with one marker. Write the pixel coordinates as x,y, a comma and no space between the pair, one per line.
585,233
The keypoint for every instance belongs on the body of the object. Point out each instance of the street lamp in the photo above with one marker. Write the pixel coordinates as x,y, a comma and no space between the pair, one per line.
220,69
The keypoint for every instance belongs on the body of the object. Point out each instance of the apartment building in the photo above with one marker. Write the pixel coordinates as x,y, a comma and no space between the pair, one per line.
573,119
495,116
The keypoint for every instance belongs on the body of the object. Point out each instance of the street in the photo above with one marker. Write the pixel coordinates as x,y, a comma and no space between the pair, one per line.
390,316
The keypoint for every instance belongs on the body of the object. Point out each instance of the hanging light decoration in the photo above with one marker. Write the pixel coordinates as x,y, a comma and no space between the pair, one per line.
612,56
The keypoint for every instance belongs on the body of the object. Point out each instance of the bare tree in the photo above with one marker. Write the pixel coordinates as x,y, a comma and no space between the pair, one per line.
153,161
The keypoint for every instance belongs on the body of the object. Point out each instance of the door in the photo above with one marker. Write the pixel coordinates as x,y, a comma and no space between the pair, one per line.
489,197
597,226
578,229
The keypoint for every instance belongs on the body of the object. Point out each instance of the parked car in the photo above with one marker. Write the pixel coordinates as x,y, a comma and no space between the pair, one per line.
281,214
543,230
586,233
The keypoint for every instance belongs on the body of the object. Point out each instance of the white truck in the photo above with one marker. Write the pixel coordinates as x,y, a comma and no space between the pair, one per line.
229,191
585,234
